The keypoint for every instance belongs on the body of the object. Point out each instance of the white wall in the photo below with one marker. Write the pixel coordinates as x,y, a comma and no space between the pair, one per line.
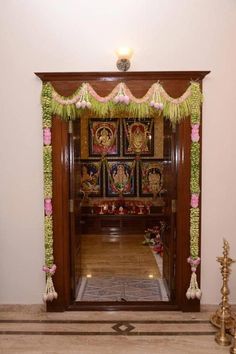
81,35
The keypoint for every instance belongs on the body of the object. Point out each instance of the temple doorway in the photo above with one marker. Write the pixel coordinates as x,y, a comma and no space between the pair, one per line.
122,186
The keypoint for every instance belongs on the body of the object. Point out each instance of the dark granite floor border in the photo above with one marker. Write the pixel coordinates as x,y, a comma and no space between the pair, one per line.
75,333
108,321
122,327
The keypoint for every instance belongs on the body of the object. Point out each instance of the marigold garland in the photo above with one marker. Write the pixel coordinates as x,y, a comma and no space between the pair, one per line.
118,103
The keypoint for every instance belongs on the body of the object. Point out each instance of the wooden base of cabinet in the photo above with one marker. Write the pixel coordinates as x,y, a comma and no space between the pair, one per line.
118,224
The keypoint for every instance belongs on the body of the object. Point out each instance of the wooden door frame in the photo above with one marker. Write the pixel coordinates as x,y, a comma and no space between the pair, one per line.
63,278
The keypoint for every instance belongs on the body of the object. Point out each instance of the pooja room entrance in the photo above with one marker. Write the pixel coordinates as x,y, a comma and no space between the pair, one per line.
121,196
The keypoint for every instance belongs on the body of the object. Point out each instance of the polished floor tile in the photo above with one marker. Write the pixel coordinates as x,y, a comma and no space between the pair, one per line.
107,332
119,269
118,256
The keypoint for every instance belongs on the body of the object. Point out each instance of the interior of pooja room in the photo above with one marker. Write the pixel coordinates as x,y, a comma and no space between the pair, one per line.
112,215
108,178
204,45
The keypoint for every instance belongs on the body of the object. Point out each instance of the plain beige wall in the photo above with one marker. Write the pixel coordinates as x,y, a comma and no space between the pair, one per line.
75,35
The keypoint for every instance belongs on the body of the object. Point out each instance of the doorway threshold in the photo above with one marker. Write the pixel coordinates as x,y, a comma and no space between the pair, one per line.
123,306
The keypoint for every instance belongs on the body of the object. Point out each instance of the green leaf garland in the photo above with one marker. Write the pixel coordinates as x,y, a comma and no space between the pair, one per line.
194,232
173,109
195,168
196,99
49,268
194,259
48,229
46,101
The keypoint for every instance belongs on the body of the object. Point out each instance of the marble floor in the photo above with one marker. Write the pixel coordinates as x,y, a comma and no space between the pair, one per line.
24,331
119,268
119,256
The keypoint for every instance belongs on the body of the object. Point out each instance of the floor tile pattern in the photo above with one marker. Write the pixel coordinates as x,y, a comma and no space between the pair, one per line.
121,332
120,289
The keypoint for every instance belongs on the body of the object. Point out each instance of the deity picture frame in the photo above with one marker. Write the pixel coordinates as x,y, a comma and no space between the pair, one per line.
138,136
104,137
151,177
121,178
90,178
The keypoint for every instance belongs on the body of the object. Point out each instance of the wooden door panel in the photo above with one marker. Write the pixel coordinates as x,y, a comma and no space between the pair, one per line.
75,225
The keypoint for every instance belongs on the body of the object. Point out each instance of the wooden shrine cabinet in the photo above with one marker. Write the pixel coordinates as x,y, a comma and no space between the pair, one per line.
68,220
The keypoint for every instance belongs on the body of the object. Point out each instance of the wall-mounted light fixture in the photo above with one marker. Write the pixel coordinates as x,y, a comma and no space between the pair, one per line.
124,55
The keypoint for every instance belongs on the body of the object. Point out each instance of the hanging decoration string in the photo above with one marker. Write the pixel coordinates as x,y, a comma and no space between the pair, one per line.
156,100
49,268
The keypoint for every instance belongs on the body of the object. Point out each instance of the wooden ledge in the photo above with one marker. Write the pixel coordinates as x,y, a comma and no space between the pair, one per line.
120,76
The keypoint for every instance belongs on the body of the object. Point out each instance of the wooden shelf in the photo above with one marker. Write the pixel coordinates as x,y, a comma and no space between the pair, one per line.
118,224
114,76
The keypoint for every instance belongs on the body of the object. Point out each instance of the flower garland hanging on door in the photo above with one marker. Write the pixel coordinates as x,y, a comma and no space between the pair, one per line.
118,103
49,268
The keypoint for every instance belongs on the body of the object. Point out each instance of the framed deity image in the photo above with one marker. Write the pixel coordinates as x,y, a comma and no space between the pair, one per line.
90,178
120,178
151,177
104,137
138,136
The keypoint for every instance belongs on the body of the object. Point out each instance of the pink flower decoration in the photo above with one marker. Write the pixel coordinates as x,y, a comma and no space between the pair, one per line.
83,104
126,99
194,262
121,99
194,200
48,206
89,105
157,105
53,269
50,270
47,136
116,99
195,132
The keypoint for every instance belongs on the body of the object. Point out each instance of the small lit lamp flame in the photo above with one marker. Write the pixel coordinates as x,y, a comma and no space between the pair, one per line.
124,55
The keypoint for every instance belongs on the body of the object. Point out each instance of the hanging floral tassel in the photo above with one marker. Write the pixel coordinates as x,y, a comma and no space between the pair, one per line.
50,292
83,101
121,96
193,290
156,101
